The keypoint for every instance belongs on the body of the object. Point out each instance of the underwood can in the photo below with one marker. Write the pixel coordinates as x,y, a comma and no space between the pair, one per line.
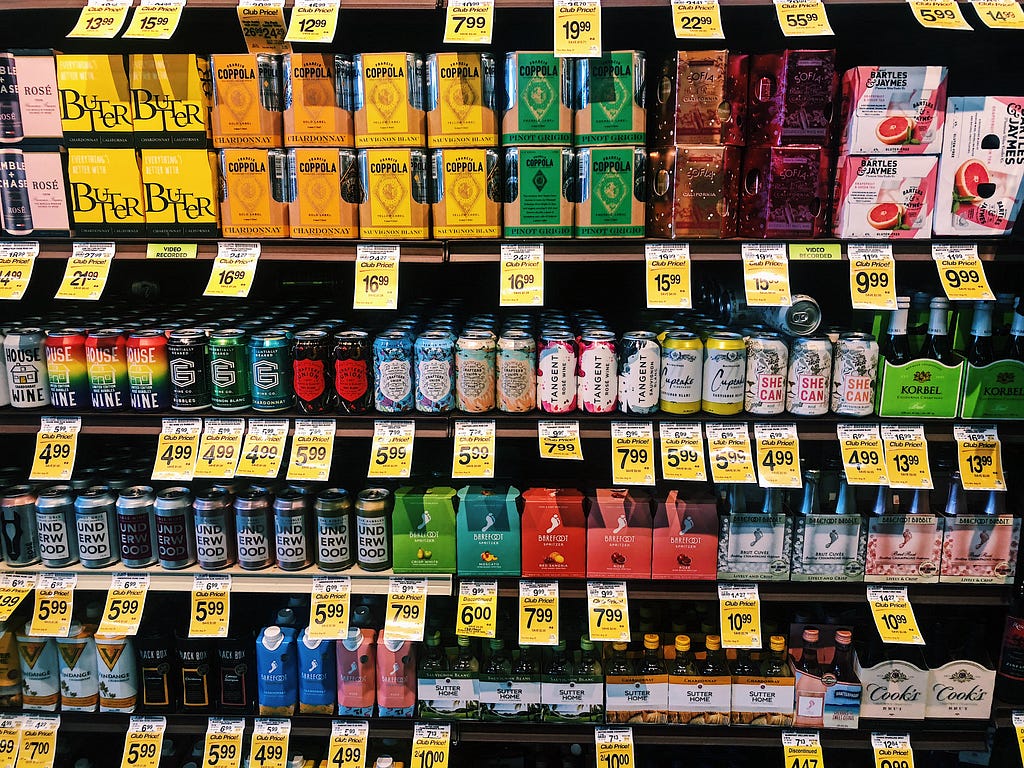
725,368
66,369
639,372
854,369
597,376
96,526
334,530
767,364
188,354
254,530
229,370
393,374
149,386
516,372
55,527
19,527
292,530
26,368
136,526
107,364
810,372
313,372
556,372
14,194
215,535
373,529
353,371
475,353
270,363
175,530
682,372
11,127
435,372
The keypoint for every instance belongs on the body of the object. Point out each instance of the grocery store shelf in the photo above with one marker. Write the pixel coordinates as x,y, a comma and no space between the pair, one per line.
222,4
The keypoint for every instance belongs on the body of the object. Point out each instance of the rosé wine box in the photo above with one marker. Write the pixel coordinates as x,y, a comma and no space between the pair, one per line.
700,97
693,191
619,527
685,538
884,198
904,549
784,192
791,98
554,533
980,549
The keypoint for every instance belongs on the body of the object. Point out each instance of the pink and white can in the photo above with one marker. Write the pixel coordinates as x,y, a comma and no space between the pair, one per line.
556,372
597,384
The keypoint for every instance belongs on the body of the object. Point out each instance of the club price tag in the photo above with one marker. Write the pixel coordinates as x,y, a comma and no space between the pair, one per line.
313,21
101,19
155,19
906,457
538,613
614,747
802,18
578,28
939,14
219,448
312,450
85,274
980,457
802,750
376,278
729,449
126,599
473,455
16,263
608,611
872,276
522,275
172,250
766,275
177,449
960,270
469,21
211,606
430,745
56,443
54,603
1018,726
894,616
329,607
632,453
262,23
892,750
38,741
10,739
391,451
263,448
223,745
269,745
863,454
347,748
697,19
559,440
815,252
233,269
682,452
739,609
477,611
778,456
668,268
143,741
407,609
999,14
14,587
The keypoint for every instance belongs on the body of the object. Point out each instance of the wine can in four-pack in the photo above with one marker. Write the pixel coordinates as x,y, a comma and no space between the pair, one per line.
682,372
854,368
188,353
214,529
435,372
107,364
335,530
292,530
394,391
767,365
353,371
516,372
55,527
18,528
597,377
725,374
149,384
67,369
96,527
270,363
254,530
313,371
639,372
475,359
556,372
136,526
175,529
26,368
809,376
229,370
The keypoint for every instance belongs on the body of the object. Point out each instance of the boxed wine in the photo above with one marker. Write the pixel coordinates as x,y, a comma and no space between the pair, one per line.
828,690
693,191
981,548
884,198
255,192
685,537
925,388
784,192
394,202
611,94
540,189
248,100
700,97
28,91
33,195
791,98
961,678
554,533
180,187
994,391
487,531
170,107
611,189
106,192
538,99
758,700
388,100
466,193
755,546
327,191
829,547
318,100
95,103
895,688
619,529
461,100
904,549
423,530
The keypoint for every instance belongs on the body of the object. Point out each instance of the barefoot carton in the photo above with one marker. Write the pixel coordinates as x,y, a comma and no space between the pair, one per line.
554,534
619,528
423,525
893,110
487,531
685,537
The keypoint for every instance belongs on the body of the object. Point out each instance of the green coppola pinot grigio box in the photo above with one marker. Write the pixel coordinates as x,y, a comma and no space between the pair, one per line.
487,526
921,388
423,525
611,189
994,391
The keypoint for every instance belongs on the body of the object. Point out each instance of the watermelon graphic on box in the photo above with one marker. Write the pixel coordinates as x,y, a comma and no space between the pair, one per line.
884,198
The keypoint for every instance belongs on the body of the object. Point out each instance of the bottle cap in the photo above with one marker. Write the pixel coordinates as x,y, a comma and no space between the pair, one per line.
497,644
713,643
810,635
777,643
843,637
433,640
586,644
620,646
463,641
652,642
682,643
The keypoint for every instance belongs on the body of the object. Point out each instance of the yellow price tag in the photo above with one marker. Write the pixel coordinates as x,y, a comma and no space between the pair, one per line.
1018,727
126,599
697,19
980,457
262,23
219,448
348,744
329,607
143,741
999,14
538,613
632,453
54,604
473,454
522,275
155,19
430,745
906,457
894,616
85,275
469,21
38,742
578,28
892,750
269,745
614,747
872,276
407,609
56,443
234,269
766,275
477,612
739,608
729,452
313,21
608,611
312,450
939,14
10,739
559,440
263,448
172,250
101,19
960,270
376,277
177,449
223,745
863,454
802,18
16,263
14,588
778,456
815,252
391,451
682,452
802,750
211,606
668,273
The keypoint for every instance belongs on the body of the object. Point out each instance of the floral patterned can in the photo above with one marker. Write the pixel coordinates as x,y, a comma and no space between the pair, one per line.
517,372
474,371
854,369
767,362
597,376
556,371
392,367
435,372
810,372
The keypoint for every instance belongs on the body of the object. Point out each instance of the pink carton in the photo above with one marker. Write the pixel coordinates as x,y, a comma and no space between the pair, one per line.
685,537
884,198
893,110
791,98
619,530
981,174
784,192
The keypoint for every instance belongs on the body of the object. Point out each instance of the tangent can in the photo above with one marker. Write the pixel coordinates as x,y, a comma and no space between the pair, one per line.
597,378
639,372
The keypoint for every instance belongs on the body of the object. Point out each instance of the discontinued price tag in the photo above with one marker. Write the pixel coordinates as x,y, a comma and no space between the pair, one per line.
614,747
407,609
522,275
729,449
101,19
313,21
939,14
376,277
739,608
960,270
668,265
10,739
802,749
778,456
16,263
56,444
38,741
263,448
892,750
477,611
980,456
766,275
126,599
143,742
14,588
430,745
219,448
469,21
329,607
999,14
348,744
872,276
223,746
473,454
262,23
559,440
906,457
578,28
538,613
632,453
54,604
863,454
608,611
155,19
682,451
312,450
211,606
85,274
815,252
697,19
172,250
269,746
391,451
177,449
233,269
802,18
894,616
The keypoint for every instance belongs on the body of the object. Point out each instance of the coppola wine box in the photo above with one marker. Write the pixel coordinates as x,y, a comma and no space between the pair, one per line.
461,102
693,191
784,192
619,528
318,100
423,530
685,537
487,531
611,93
884,198
700,97
327,193
248,100
791,98
34,195
388,100
255,192
554,533
28,87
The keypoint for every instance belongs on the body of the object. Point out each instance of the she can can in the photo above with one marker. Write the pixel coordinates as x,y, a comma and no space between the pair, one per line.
214,529
55,527
313,372
854,368
394,389
597,375
353,372
136,526
639,372
682,372
809,378
292,534
107,364
229,370
435,372
67,370
516,370
373,529
724,379
767,366
149,385
556,372
475,371
26,368
188,354
254,530
270,370
96,527
18,527
175,529
334,530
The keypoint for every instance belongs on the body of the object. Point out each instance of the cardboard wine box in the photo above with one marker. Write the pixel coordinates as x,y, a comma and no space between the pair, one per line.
423,530
823,702
487,527
554,533
619,529
685,537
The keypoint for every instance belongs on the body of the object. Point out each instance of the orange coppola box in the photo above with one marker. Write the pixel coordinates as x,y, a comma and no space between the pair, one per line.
693,191
318,100
619,526
553,531
326,199
255,192
248,100
685,542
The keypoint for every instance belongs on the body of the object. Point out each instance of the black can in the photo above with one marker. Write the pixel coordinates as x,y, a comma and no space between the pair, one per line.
313,375
136,525
254,530
353,371
335,524
11,127
292,530
17,211
215,535
18,519
188,355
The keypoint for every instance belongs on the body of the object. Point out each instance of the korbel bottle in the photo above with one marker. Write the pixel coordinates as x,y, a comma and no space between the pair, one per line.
936,344
895,347
1010,672
979,347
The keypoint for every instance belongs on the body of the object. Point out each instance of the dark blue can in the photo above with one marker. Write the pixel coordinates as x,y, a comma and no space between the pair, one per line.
435,372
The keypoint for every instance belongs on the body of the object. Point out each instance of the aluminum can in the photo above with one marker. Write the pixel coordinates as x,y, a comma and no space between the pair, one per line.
107,363
435,372
11,128
516,372
136,526
475,374
66,367
597,375
116,670
5,392
353,371
313,372
254,530
392,366
19,531
25,361
344,72
270,363
188,353
55,527
682,372
810,373
175,530
215,531
270,70
149,385
373,529
801,318
229,370
725,367
457,85
15,202
767,365
639,372
556,372
335,530
96,526
854,368
292,530
609,90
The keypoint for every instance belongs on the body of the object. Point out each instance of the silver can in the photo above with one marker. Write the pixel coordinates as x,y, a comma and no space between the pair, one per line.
597,375
175,530
801,318
136,526
96,526
639,372
215,535
18,520
767,366
516,372
854,369
55,527
335,522
810,374
254,530
292,530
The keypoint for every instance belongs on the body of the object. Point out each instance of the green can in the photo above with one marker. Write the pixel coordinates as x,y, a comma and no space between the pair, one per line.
270,370
229,370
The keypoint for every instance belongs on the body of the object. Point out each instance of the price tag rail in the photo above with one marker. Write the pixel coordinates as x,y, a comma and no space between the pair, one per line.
419,253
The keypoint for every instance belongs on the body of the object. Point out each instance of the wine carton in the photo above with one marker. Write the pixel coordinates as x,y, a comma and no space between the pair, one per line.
823,701
180,186
893,689
791,98
248,100
487,526
554,534
170,107
700,97
829,548
904,549
461,104
784,192
921,388
327,194
512,697
611,100
95,105
318,100
106,192
961,690
698,699
980,549
423,525
685,537
538,96
34,198
756,546
255,192
693,191
884,198
619,529
388,100
994,391
29,88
